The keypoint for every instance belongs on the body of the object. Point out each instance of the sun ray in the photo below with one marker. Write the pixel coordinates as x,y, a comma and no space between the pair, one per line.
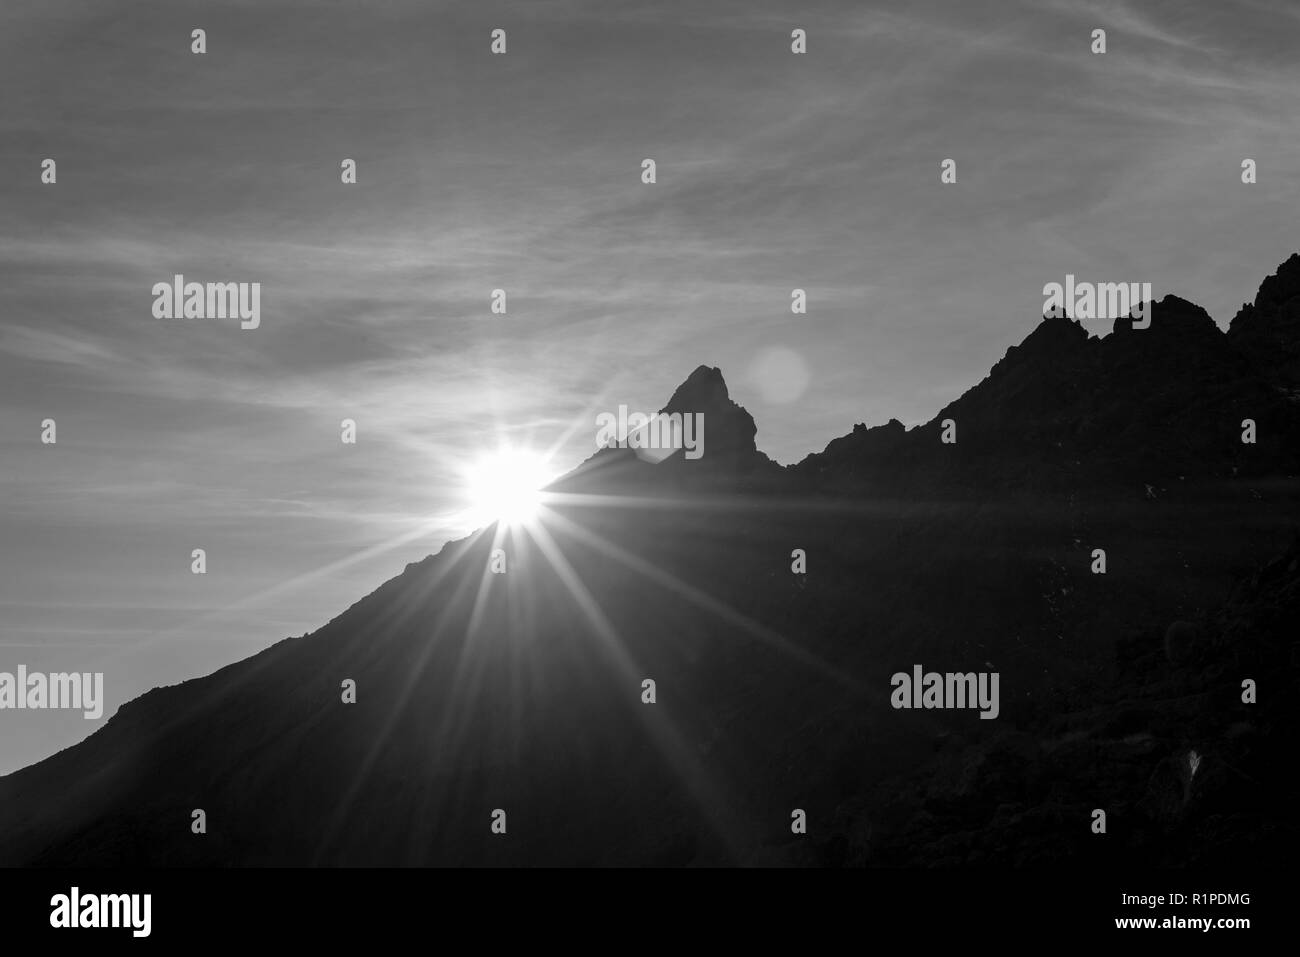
706,601
339,818
665,737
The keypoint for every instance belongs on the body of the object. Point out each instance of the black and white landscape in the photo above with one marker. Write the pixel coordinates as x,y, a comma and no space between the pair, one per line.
479,691
972,539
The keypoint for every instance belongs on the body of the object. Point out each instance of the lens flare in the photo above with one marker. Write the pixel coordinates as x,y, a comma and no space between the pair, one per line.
505,486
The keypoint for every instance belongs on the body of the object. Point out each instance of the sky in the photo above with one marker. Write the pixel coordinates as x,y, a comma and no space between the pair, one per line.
522,171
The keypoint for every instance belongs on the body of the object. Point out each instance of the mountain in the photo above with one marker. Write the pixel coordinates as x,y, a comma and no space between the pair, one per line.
1066,410
1268,330
523,691
732,461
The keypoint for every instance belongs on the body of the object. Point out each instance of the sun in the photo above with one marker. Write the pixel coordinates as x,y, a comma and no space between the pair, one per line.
505,486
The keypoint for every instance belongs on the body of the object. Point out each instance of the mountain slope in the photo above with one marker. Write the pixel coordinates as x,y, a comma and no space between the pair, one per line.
523,691
1064,410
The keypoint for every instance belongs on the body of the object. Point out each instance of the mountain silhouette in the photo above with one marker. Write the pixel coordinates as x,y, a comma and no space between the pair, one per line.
524,692
1067,410
1268,331
732,462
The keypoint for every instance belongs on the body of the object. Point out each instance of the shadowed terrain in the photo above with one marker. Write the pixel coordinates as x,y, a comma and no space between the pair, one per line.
523,691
